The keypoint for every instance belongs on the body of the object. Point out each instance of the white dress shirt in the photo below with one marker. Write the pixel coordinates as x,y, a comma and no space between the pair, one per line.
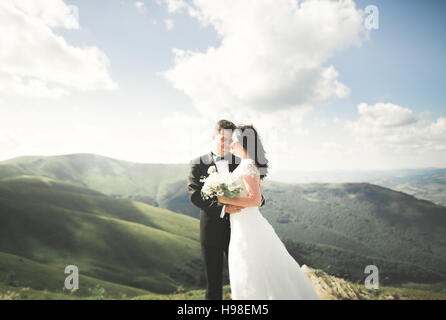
221,165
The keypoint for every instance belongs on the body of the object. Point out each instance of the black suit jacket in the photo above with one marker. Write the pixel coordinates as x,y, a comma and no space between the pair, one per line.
210,208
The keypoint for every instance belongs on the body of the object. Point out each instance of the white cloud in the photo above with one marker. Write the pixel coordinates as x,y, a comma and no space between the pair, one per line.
53,13
141,7
384,136
169,24
284,133
269,70
271,56
36,62
394,129
174,5
384,115
28,87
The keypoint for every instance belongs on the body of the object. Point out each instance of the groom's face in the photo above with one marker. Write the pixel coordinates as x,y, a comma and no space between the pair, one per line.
223,140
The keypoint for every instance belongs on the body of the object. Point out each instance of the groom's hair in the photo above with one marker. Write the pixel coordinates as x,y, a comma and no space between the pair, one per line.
224,124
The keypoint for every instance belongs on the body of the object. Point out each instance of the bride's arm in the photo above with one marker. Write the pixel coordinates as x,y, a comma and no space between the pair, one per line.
254,197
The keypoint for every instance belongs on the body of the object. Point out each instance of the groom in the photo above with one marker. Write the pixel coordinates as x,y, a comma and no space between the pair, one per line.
215,226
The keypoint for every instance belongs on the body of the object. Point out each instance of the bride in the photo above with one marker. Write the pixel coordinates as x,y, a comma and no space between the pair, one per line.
260,267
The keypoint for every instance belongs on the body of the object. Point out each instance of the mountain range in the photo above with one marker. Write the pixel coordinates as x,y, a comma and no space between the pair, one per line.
130,226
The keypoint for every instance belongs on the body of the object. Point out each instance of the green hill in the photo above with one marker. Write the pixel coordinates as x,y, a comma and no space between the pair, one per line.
428,184
368,220
118,241
19,273
148,183
328,288
339,228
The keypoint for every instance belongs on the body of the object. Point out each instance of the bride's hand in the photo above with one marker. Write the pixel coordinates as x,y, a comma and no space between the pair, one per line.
222,199
231,209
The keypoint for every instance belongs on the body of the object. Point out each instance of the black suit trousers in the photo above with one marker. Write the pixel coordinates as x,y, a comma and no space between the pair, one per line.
214,236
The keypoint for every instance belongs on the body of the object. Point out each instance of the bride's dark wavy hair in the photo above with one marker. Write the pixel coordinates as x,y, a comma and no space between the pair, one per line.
250,140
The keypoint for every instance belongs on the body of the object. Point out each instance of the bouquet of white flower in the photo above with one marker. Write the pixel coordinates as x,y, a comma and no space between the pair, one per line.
220,184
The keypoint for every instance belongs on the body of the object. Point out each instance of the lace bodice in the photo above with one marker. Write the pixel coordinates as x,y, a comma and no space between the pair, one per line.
247,167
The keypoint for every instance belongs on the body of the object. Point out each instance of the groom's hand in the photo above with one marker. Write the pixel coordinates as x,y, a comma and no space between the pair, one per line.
232,209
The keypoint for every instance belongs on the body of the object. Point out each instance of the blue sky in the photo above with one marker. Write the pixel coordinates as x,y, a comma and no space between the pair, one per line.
138,48
403,64
115,101
406,53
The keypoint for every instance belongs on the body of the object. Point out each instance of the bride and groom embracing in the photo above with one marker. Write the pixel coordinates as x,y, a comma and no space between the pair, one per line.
260,267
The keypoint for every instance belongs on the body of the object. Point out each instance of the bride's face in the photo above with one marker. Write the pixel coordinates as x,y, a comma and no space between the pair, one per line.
236,146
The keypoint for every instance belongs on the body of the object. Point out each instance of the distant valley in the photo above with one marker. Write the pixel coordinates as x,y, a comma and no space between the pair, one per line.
428,184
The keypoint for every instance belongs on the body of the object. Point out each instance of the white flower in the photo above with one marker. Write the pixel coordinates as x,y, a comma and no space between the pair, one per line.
212,169
220,184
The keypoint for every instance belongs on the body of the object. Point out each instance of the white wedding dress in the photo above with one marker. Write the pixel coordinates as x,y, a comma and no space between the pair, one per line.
260,267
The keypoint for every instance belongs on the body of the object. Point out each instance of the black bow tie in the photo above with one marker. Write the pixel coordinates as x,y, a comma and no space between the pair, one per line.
218,158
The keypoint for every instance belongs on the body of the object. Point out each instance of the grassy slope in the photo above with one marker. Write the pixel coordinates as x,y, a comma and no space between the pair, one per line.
115,240
327,286
18,272
358,219
148,182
